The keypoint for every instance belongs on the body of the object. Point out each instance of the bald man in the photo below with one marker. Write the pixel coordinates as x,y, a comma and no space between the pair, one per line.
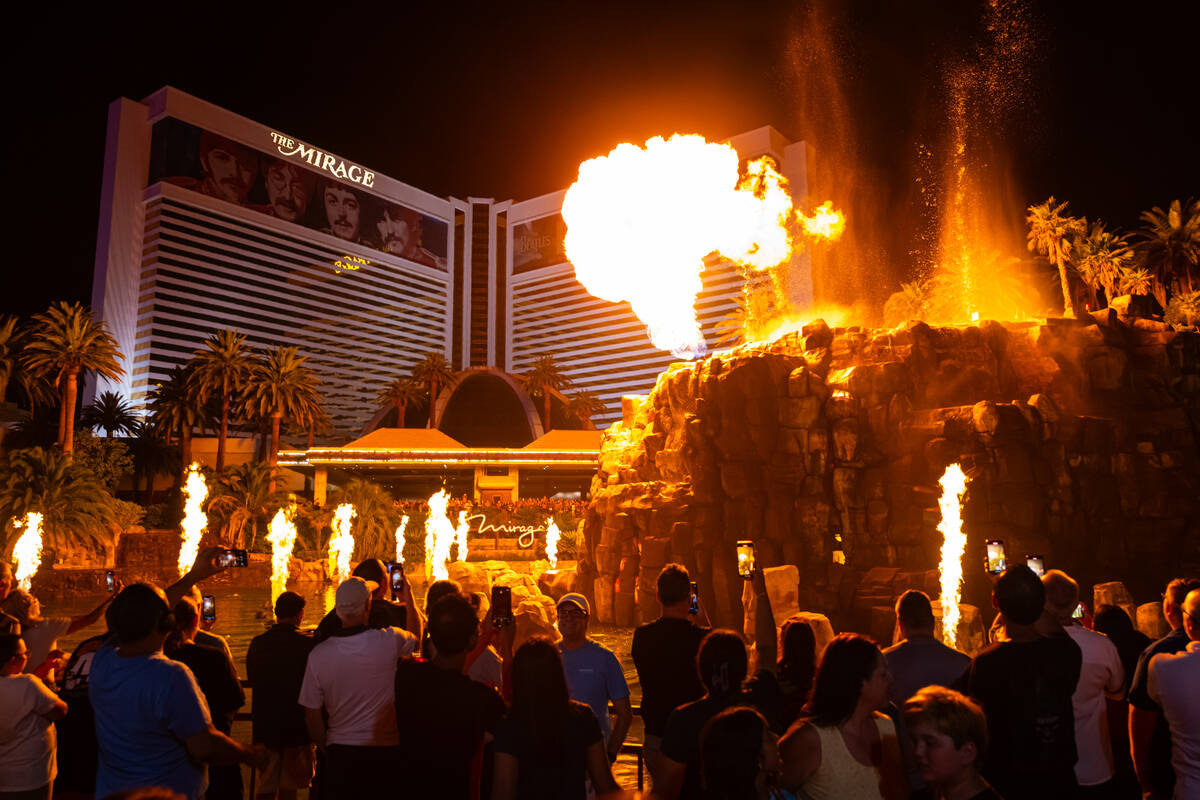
1174,683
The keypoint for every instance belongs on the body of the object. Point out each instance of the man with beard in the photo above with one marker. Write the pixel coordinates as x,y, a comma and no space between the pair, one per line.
288,189
229,168
400,234
343,210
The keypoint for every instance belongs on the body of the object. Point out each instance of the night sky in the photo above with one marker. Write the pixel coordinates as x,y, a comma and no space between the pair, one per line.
505,100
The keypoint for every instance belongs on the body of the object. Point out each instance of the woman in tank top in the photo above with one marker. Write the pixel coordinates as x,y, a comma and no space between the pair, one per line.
842,747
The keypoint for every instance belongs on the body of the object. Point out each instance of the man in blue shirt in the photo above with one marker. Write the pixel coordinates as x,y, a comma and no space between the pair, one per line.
594,675
152,725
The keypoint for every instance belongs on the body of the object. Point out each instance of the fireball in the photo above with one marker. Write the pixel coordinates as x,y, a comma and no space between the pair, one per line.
401,539
439,535
281,533
341,544
460,535
195,490
954,544
825,222
552,534
28,550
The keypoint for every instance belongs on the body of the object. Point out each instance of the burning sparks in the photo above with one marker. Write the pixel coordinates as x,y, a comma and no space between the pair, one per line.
281,533
825,222
640,221
28,551
195,490
552,534
341,544
954,544
400,539
439,535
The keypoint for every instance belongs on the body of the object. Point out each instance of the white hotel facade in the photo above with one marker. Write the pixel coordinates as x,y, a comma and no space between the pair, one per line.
197,234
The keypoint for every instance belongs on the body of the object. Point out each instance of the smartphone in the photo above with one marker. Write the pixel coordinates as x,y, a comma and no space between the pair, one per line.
996,562
396,573
1037,564
502,612
110,581
208,608
232,557
694,608
745,558
1079,611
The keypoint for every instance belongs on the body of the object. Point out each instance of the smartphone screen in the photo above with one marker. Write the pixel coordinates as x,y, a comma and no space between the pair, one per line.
694,608
397,577
208,607
745,558
996,560
1037,564
110,581
232,557
502,613
1079,611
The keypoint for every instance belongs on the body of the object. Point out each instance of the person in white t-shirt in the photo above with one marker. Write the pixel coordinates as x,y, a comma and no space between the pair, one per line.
1174,683
41,635
1101,680
350,679
27,713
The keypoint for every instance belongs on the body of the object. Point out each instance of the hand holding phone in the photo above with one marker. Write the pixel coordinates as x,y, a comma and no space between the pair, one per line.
110,581
502,611
996,561
232,557
396,576
745,558
208,608
1037,564
694,608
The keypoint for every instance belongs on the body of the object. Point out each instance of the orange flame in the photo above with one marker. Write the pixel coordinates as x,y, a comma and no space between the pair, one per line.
552,535
341,544
281,533
460,535
401,539
825,222
640,221
439,535
954,544
28,550
194,519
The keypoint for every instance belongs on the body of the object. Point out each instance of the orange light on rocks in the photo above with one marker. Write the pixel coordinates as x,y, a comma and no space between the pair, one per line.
954,544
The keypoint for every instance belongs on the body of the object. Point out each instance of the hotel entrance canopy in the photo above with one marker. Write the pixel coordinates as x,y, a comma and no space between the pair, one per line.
414,462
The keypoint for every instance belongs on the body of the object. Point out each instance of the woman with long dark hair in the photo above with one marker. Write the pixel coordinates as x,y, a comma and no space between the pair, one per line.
547,743
739,756
843,747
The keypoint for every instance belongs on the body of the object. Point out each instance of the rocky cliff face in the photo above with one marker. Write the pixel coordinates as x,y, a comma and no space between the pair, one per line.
825,447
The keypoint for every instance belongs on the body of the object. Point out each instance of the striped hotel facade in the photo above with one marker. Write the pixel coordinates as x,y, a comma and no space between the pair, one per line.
175,265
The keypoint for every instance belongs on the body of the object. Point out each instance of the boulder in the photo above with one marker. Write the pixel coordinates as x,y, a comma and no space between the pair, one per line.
1150,620
1114,593
470,577
783,584
554,583
534,617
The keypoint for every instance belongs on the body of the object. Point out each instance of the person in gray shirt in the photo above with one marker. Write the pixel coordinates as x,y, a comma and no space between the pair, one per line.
920,660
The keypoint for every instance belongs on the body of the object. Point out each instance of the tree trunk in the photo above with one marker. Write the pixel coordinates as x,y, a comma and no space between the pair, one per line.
273,453
433,393
1070,307
401,408
69,410
62,414
311,436
546,409
222,433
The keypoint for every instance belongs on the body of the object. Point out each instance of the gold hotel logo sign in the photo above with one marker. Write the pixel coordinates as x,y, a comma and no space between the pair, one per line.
323,161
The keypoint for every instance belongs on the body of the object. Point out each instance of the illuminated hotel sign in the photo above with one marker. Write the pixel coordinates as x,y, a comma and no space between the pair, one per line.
323,161
350,264
525,533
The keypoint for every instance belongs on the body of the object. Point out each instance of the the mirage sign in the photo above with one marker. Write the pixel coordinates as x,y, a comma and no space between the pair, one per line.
322,161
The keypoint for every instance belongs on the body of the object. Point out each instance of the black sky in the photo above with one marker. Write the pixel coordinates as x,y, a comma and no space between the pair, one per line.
505,100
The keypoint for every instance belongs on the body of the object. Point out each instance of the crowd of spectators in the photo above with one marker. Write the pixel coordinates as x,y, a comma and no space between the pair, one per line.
384,698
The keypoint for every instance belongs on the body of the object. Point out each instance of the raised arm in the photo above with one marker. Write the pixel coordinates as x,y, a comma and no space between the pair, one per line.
90,618
205,567
765,637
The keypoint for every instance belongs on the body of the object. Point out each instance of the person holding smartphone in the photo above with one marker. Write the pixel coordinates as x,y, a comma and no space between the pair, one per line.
664,653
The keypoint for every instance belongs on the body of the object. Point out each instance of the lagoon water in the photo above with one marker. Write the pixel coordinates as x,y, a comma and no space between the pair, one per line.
244,613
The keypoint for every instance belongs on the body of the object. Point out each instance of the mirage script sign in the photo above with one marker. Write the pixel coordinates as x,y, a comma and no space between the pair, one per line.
526,534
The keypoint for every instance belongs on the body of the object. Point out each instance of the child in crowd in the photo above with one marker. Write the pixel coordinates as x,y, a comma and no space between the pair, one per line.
949,735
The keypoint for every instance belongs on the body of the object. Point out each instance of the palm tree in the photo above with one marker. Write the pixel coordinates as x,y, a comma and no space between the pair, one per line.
911,302
280,385
543,377
241,495
1051,233
1135,281
1169,247
153,455
374,521
582,405
176,409
10,349
434,371
67,341
402,393
222,369
1100,258
110,412
77,509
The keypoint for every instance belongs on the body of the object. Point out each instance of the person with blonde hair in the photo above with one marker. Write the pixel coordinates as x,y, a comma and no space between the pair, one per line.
949,733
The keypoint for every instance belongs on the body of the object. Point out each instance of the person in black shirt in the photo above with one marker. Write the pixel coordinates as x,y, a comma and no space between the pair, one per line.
275,664
218,680
547,743
384,613
740,756
664,653
443,715
1025,686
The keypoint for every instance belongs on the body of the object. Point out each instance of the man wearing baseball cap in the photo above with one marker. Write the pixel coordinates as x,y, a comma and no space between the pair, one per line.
351,678
594,675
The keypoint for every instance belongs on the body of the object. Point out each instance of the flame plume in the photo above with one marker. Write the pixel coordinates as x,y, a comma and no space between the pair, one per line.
640,221
28,550
401,540
552,534
281,533
439,535
954,544
341,544
195,490
460,535
825,222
